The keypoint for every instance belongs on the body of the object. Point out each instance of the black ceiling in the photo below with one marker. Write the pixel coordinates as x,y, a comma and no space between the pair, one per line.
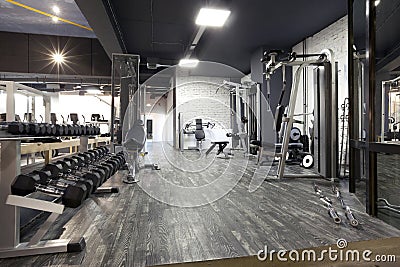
163,29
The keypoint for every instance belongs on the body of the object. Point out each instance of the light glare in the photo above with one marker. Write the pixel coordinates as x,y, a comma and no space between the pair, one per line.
212,17
56,10
58,58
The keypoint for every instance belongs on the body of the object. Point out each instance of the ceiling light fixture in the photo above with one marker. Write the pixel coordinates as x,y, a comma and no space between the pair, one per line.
377,2
54,18
148,105
58,58
212,17
93,91
188,62
56,10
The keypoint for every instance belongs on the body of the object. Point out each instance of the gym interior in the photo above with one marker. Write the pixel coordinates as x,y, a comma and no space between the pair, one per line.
199,133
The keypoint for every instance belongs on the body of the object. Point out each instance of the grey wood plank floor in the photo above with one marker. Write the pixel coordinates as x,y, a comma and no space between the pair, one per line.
131,228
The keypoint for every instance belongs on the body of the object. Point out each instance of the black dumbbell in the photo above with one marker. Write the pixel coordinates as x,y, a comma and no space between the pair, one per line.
83,130
72,195
60,170
84,163
15,128
44,129
77,164
92,160
100,160
97,130
34,129
51,177
59,130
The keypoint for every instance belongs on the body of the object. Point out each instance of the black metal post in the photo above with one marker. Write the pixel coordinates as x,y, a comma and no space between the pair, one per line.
112,126
353,118
372,157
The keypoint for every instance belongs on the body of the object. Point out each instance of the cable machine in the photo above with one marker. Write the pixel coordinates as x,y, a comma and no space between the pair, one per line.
323,141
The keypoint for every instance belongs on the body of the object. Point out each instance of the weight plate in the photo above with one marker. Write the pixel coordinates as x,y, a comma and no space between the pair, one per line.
295,134
308,161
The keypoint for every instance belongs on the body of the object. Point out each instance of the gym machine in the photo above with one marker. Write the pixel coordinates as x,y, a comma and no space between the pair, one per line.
324,141
128,133
134,141
189,131
239,116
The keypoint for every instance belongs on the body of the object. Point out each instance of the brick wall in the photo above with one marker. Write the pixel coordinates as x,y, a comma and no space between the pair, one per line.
197,98
335,38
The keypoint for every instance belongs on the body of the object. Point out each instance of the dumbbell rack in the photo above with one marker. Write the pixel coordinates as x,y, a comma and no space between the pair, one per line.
10,246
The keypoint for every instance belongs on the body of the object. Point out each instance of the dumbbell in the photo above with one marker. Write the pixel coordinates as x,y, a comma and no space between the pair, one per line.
49,177
119,157
34,129
76,164
85,163
60,170
15,128
89,130
69,130
83,130
89,160
97,130
59,130
109,167
98,158
72,195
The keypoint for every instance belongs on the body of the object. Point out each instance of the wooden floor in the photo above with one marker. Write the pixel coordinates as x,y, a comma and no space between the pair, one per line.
131,228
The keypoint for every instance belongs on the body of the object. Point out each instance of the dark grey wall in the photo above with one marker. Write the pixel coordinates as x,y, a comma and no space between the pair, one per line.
31,53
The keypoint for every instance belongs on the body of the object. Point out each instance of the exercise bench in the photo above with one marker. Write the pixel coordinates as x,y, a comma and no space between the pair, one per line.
221,146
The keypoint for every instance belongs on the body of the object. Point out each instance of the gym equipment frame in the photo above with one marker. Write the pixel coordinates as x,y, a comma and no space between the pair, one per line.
325,111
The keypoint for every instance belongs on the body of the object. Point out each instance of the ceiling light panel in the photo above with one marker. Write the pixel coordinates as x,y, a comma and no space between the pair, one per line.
212,17
188,63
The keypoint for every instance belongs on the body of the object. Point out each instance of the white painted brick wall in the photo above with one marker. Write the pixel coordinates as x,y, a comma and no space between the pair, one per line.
197,98
333,37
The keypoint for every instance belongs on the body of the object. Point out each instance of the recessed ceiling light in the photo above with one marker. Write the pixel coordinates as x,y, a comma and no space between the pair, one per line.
148,105
58,58
188,62
56,10
54,18
212,17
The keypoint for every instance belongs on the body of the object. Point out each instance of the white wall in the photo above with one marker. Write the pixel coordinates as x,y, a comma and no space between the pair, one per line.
197,98
333,37
21,105
157,112
85,105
